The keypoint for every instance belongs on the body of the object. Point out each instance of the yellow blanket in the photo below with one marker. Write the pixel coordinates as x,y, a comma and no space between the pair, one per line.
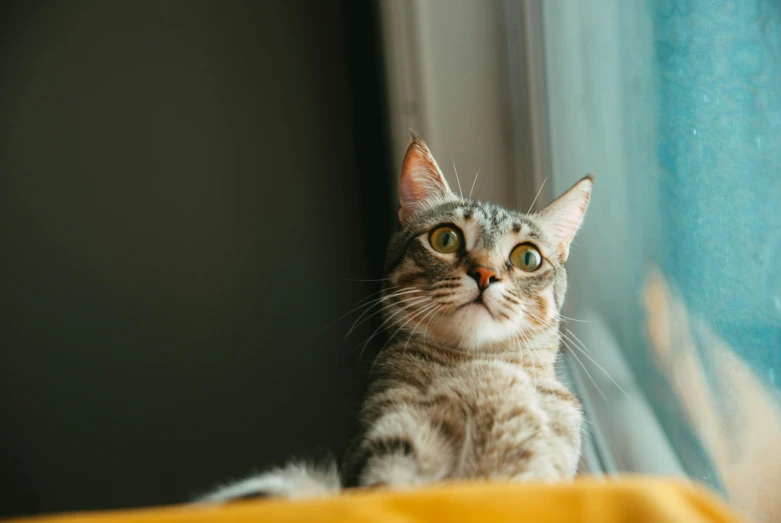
632,500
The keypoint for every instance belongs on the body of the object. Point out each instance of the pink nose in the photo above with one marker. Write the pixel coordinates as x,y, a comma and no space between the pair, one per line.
484,276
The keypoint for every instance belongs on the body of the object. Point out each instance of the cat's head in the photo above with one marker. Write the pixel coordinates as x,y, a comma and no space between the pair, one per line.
470,273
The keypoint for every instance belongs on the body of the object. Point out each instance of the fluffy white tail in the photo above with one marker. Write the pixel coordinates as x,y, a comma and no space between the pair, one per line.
295,480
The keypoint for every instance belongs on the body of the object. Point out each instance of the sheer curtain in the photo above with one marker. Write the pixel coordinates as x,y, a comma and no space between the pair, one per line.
676,105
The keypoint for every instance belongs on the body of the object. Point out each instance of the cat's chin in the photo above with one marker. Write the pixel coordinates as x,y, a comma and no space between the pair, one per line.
473,326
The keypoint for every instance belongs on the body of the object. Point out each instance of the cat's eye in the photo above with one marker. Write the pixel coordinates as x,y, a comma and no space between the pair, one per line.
445,239
526,257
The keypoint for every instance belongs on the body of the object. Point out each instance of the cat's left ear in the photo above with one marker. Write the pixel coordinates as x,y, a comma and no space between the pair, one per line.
421,183
565,214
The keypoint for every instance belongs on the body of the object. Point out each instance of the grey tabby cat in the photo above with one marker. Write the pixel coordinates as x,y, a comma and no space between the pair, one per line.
466,387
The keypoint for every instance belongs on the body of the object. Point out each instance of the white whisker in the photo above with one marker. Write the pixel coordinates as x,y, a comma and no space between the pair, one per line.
408,318
407,306
456,171
573,319
425,337
583,366
437,308
363,302
575,338
358,320
473,184
544,322
600,367
538,195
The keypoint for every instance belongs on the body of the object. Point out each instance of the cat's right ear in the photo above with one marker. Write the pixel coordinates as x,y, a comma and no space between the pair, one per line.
422,183
565,214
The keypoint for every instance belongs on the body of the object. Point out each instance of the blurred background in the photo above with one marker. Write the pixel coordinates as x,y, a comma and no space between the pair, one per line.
185,188
192,192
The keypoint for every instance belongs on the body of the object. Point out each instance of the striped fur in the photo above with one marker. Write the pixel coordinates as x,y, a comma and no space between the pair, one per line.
466,386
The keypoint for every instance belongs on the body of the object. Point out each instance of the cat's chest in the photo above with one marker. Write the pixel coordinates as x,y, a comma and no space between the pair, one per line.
484,387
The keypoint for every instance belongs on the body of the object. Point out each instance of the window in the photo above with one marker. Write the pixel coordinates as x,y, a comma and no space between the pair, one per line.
677,106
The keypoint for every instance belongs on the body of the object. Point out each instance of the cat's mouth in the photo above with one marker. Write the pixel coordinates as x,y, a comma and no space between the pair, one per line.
479,302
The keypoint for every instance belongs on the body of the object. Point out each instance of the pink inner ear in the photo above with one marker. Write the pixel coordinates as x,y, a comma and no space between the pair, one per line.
421,180
565,214
418,183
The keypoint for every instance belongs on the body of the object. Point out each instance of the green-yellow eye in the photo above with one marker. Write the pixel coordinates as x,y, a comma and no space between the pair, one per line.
526,257
445,239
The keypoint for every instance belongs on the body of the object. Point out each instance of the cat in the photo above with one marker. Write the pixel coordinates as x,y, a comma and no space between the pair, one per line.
466,386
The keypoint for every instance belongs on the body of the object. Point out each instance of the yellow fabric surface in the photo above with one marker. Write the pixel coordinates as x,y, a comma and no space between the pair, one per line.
633,500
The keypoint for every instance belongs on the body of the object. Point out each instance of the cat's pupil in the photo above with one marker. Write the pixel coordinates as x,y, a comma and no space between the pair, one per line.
448,239
527,259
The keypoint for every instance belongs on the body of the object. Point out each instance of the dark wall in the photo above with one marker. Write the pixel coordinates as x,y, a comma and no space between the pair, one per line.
184,187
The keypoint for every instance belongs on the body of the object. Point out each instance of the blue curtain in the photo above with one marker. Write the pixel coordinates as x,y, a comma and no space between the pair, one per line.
720,149
676,104
712,225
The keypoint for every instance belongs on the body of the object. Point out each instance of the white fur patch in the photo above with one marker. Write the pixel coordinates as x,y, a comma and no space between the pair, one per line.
295,480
